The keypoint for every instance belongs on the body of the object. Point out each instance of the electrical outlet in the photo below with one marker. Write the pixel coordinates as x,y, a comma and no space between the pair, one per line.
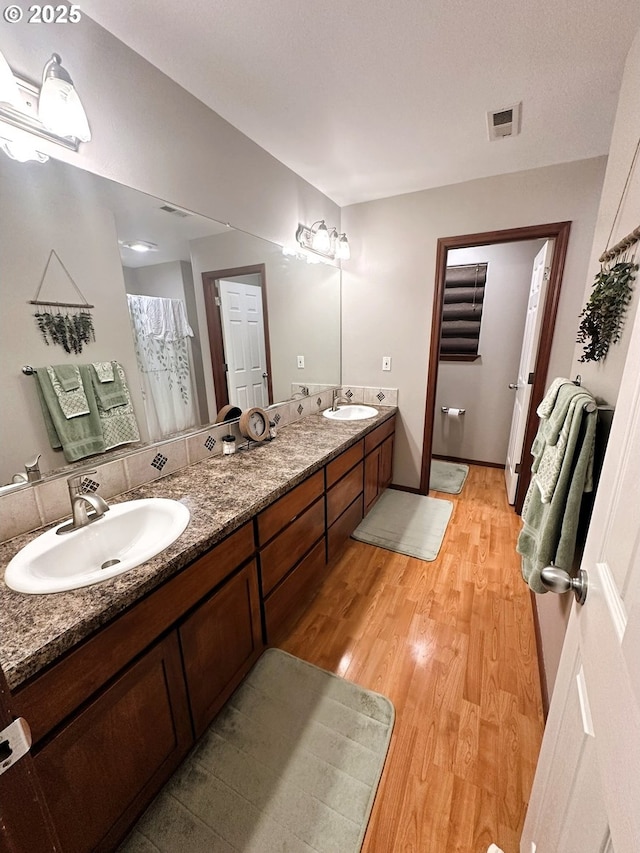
300,361
386,362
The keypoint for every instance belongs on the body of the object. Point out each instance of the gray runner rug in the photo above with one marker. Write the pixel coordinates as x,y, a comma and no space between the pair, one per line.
291,763
407,523
447,476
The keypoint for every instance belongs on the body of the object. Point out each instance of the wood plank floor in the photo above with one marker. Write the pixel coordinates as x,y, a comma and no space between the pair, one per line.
452,644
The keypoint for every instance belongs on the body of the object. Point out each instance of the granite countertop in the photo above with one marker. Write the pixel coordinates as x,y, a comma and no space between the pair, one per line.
221,493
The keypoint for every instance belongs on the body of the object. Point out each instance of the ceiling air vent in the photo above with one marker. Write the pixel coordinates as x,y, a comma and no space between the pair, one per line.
504,122
175,211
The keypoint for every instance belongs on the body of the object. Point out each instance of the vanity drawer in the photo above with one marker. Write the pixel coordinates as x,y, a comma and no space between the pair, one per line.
273,519
344,493
379,434
287,600
344,462
343,527
283,552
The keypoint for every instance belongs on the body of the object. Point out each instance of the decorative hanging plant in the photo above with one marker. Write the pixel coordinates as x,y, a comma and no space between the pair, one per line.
603,316
70,331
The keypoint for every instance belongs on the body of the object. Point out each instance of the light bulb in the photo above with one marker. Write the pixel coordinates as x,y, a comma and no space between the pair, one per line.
320,240
21,151
59,107
343,250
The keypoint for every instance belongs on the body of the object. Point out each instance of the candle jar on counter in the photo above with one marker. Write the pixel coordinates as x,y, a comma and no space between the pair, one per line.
228,445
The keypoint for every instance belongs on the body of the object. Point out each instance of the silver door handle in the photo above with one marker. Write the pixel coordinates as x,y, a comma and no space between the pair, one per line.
557,580
514,386
265,375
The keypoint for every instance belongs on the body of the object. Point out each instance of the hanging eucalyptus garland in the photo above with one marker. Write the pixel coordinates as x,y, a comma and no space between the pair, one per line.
70,331
603,316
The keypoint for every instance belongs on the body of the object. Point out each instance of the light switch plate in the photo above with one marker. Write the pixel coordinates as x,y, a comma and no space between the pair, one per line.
300,361
386,362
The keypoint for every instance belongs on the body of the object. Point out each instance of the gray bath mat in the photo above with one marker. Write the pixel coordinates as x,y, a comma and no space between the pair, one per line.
292,762
447,476
407,523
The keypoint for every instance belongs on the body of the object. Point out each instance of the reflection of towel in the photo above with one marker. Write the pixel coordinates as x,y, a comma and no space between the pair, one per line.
108,393
68,376
79,436
104,370
118,422
72,403
549,531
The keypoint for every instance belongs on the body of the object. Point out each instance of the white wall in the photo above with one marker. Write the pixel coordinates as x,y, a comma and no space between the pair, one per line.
389,283
603,378
481,387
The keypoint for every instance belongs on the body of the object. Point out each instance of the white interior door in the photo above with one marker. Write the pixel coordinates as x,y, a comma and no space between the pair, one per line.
586,792
244,343
528,355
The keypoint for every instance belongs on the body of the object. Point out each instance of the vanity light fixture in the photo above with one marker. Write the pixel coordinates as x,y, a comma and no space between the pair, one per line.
139,245
323,241
52,112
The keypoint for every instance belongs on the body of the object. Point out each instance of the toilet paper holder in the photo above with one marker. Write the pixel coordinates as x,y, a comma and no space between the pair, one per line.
445,410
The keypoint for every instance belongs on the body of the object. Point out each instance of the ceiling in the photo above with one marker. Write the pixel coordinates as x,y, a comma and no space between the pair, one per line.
372,98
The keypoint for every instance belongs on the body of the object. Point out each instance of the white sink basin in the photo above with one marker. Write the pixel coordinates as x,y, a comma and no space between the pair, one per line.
353,412
127,535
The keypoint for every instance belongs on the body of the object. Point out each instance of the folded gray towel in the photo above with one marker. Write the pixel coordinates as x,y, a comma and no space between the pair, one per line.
68,376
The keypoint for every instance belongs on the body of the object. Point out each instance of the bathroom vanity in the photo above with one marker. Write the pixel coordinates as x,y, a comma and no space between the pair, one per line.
134,670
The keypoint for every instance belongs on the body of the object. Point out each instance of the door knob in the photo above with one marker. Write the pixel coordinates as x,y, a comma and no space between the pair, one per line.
513,386
557,580
265,375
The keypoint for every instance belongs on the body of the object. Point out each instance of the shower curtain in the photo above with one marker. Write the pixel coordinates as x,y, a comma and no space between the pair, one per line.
161,337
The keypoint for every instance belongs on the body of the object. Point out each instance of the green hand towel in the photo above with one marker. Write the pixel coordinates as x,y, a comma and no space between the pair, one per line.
68,376
109,394
549,531
78,437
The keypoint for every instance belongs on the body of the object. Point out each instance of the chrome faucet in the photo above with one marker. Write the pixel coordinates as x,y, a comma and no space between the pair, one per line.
80,502
338,398
32,470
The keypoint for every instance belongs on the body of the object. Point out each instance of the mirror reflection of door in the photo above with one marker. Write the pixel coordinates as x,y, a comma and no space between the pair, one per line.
237,320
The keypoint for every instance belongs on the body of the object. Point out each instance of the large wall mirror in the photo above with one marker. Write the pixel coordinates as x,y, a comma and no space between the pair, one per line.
219,275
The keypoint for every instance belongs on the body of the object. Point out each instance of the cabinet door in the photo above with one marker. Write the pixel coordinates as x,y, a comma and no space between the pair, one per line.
105,766
220,641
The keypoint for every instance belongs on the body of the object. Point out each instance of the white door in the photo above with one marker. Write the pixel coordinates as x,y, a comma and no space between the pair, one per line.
586,792
528,355
244,344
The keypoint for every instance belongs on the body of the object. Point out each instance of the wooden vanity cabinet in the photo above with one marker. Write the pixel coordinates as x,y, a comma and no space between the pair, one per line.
378,462
115,716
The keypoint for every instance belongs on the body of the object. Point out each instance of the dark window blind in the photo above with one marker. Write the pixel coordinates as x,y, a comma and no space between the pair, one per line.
462,310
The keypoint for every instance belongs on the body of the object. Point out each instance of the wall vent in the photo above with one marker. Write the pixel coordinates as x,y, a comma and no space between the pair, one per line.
175,211
504,122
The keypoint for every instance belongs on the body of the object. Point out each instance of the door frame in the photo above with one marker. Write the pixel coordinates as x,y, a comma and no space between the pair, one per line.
557,231
214,327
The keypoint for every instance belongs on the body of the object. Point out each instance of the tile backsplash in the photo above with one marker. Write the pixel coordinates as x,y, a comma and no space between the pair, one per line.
47,501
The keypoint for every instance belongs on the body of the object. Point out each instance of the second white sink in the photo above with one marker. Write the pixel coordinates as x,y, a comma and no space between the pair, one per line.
352,412
126,536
